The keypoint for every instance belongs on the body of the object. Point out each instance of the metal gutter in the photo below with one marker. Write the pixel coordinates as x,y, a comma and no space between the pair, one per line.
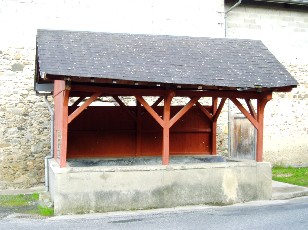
51,112
229,102
294,2
232,7
226,12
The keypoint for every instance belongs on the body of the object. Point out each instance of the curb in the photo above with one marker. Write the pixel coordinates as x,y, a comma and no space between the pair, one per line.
283,191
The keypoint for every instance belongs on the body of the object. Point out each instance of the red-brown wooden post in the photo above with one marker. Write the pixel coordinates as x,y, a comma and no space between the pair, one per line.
139,129
214,126
63,151
59,94
260,118
166,128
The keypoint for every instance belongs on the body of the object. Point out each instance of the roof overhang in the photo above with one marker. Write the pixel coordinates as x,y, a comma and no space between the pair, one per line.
151,61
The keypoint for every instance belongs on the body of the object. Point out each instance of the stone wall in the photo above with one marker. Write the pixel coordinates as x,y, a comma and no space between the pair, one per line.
286,122
285,32
24,121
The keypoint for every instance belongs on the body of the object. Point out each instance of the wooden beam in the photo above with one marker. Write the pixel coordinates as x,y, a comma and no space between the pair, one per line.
204,110
64,129
251,109
218,111
150,110
74,114
166,128
284,89
183,110
244,111
109,91
124,107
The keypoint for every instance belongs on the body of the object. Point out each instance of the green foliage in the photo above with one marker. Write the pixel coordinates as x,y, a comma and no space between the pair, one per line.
35,196
25,203
18,200
45,211
296,176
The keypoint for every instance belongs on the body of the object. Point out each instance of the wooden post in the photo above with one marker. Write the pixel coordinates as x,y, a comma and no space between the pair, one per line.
63,151
166,128
214,126
139,129
260,118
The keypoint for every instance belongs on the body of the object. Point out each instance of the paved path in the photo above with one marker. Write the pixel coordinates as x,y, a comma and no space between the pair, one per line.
282,191
268,215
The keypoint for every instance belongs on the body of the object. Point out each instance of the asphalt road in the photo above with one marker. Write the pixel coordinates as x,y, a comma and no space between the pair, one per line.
288,214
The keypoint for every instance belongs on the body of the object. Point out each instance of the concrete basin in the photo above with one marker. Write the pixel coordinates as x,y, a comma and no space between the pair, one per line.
104,185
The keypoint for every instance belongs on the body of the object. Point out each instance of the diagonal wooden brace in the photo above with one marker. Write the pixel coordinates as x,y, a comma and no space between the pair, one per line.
150,110
76,103
183,111
124,107
158,101
204,110
251,109
74,114
253,121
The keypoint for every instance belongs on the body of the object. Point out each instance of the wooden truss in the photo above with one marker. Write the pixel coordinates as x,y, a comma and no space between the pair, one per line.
63,91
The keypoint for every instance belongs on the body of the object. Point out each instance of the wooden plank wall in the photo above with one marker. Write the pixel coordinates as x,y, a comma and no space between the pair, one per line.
109,131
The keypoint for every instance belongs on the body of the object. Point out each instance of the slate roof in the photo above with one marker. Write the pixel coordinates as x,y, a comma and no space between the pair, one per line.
203,61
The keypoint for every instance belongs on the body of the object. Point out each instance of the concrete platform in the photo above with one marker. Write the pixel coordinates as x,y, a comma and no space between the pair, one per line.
106,187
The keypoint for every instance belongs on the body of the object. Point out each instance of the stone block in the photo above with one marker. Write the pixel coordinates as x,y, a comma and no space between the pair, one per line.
17,67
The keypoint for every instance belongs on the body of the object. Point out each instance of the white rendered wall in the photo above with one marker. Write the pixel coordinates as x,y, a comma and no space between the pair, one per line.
19,19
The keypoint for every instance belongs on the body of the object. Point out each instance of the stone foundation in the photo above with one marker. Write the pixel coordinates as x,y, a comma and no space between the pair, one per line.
114,188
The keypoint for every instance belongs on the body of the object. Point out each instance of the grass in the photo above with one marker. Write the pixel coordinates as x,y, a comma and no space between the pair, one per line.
18,200
25,203
296,176
45,211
